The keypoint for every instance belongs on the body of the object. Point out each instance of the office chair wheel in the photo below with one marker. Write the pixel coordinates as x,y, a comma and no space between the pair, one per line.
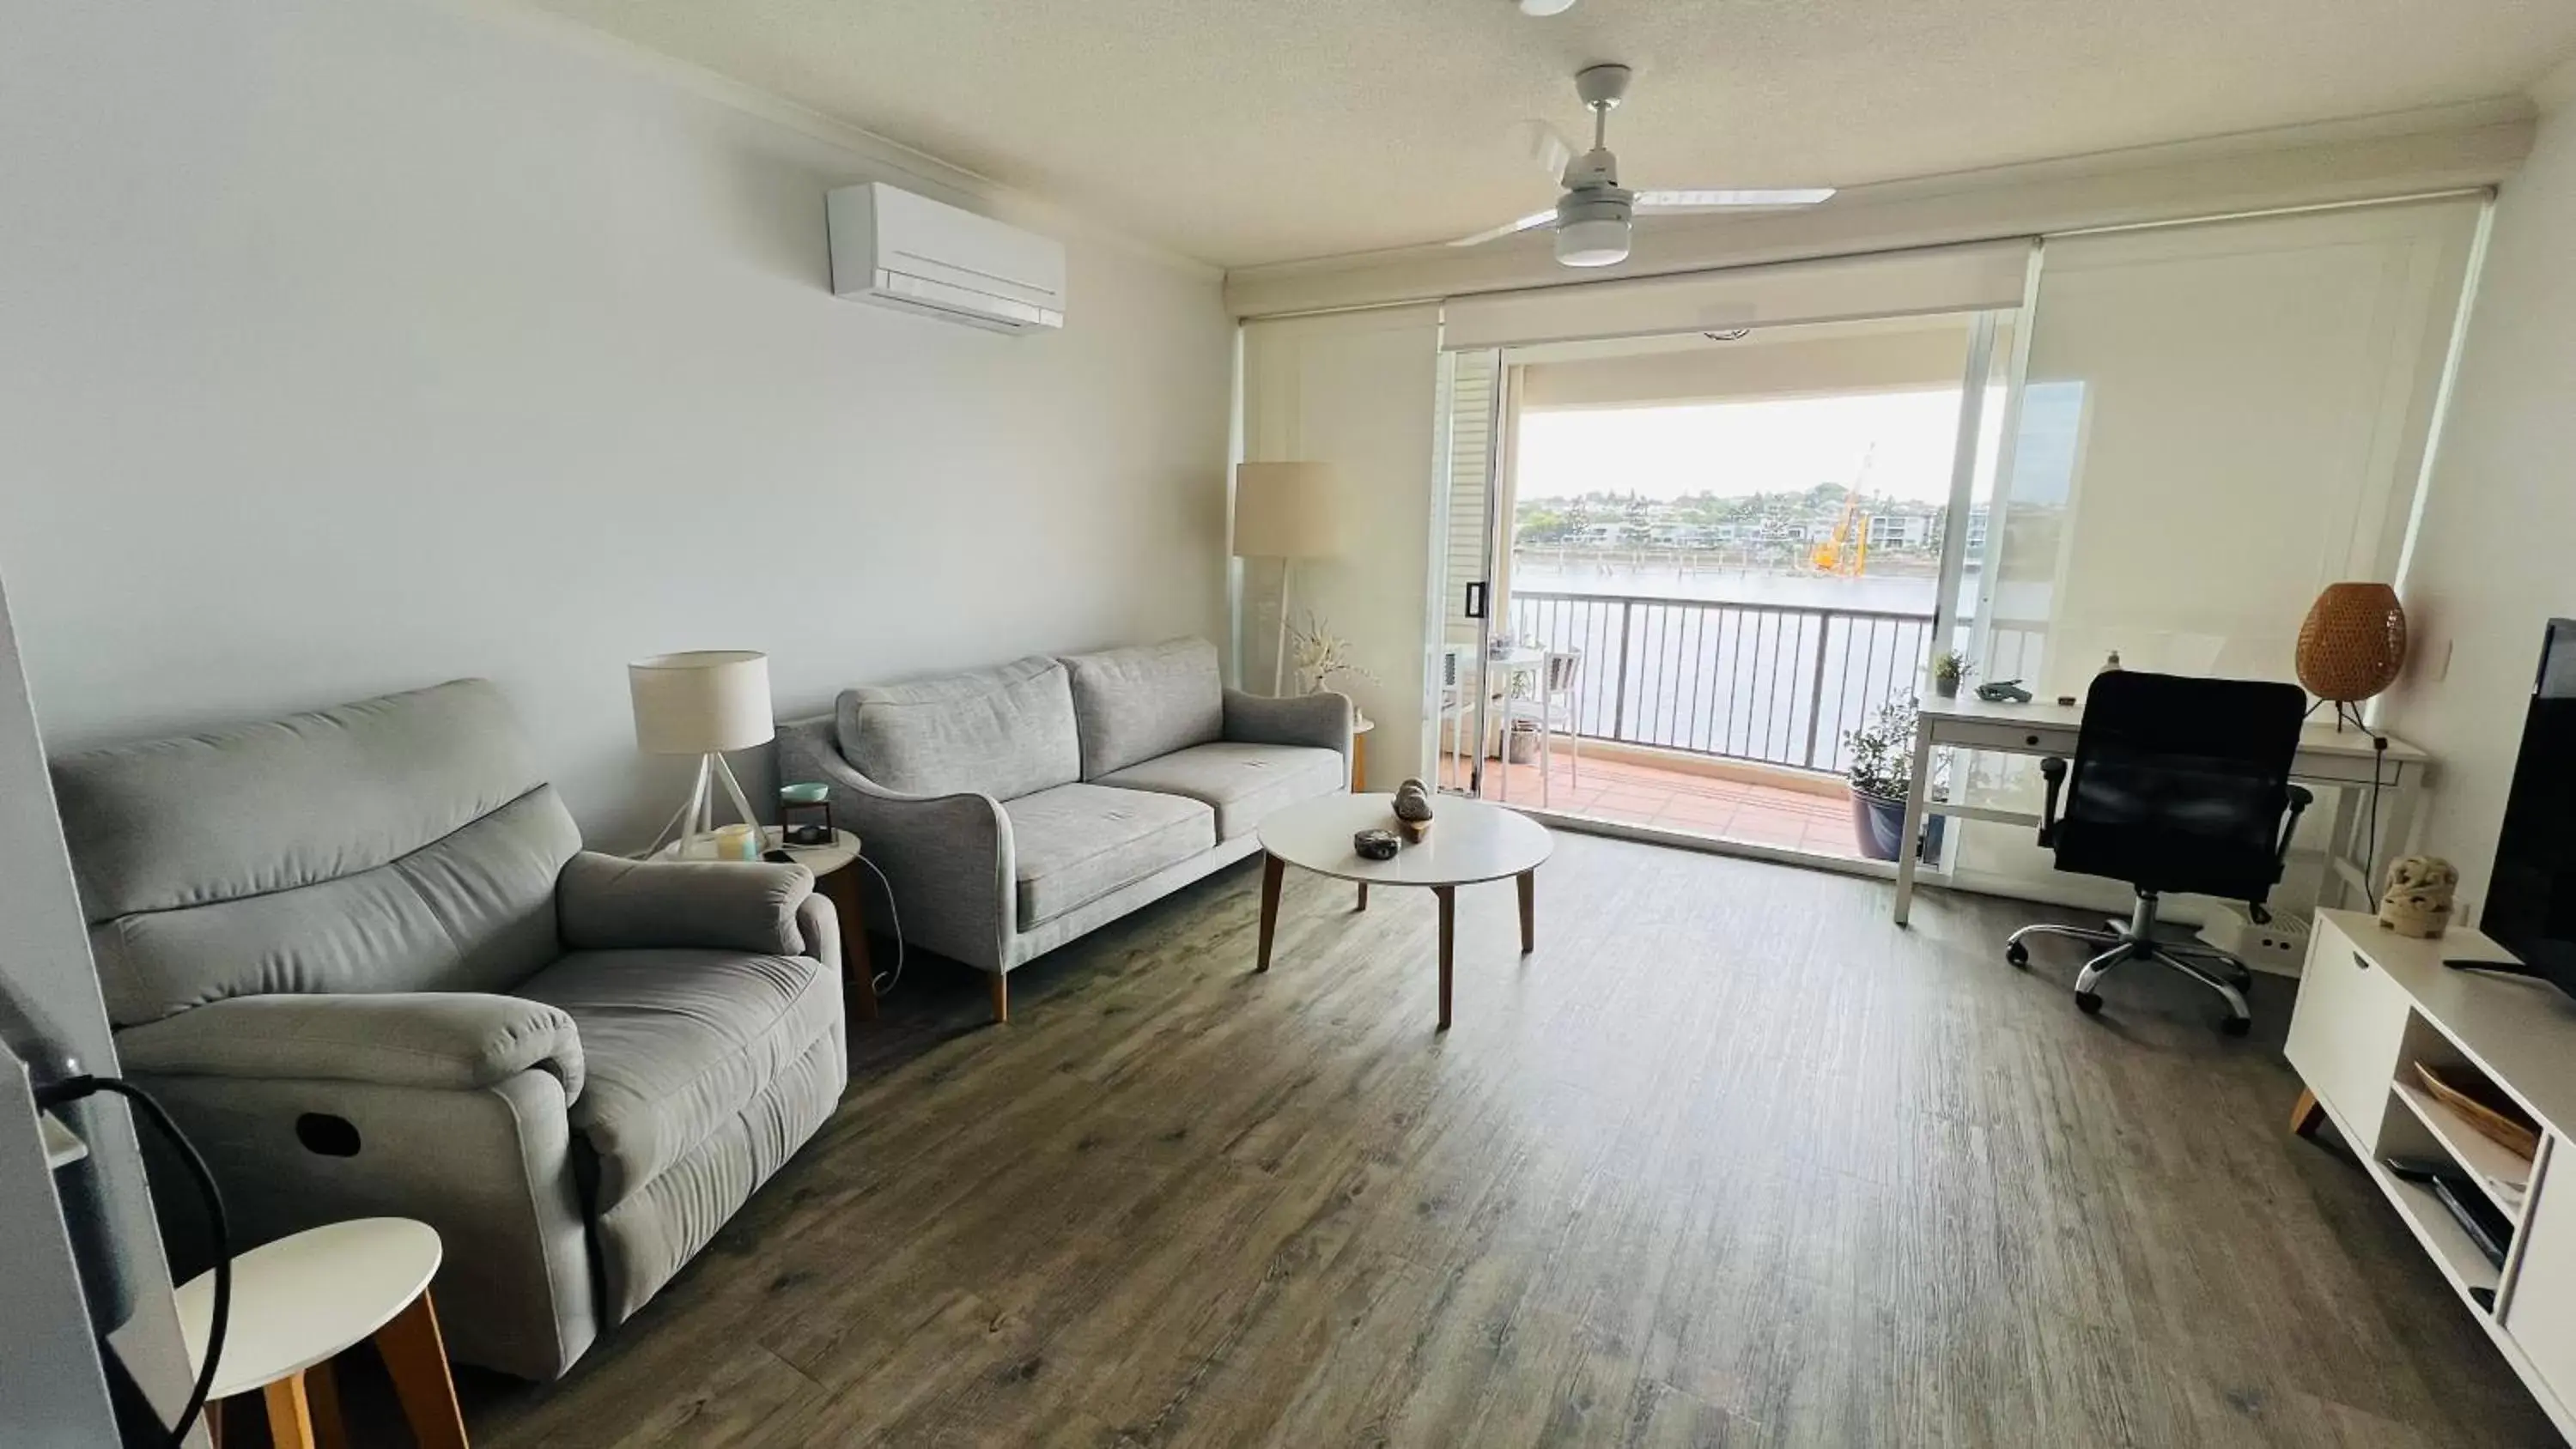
2017,955
2089,1002
2237,1025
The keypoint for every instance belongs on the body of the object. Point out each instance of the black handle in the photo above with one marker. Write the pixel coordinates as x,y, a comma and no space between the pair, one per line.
1476,599
2360,960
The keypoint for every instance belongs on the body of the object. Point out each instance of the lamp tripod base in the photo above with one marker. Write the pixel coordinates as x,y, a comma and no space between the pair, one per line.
696,816
2346,711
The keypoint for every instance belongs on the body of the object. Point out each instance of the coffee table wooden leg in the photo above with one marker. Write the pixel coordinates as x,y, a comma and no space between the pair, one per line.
1529,911
1272,868
1448,896
416,1357
858,972
290,1414
2305,1114
1363,905
322,1397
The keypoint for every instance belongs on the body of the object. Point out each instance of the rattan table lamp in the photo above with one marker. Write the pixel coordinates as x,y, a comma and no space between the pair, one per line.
2351,646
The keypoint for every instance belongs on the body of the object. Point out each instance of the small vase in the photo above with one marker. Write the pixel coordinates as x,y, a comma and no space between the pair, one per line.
1946,688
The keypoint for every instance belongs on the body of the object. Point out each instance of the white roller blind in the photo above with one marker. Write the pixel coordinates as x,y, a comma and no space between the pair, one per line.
1935,279
1358,392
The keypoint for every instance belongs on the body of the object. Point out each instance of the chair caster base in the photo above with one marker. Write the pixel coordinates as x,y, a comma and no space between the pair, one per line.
2017,956
2237,1025
2089,1002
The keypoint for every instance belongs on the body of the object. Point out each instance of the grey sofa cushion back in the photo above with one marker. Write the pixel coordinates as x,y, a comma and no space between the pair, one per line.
396,844
1002,732
1136,704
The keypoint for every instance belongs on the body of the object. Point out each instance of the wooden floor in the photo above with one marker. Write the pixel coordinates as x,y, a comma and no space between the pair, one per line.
1729,1160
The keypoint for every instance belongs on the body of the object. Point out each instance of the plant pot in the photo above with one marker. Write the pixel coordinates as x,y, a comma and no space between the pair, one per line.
1878,825
1945,688
1520,743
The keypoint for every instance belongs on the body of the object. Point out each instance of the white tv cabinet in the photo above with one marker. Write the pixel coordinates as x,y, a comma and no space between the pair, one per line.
2371,1005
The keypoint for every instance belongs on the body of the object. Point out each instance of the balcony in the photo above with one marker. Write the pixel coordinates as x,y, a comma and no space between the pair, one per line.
1717,718
1635,791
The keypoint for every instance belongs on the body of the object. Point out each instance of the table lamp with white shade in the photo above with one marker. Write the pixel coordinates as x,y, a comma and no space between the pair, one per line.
1285,511
703,703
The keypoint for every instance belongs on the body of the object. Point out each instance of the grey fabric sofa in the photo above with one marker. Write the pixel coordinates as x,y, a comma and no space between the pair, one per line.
363,959
1013,809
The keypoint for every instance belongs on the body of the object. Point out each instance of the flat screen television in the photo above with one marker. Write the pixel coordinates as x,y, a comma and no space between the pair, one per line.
2531,899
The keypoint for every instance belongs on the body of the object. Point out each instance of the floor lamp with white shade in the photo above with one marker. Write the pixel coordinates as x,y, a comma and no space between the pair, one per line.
1285,511
703,703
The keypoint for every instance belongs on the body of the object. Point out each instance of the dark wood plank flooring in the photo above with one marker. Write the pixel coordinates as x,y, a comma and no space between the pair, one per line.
1729,1160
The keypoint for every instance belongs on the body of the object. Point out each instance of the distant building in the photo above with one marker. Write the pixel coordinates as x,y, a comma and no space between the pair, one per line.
1900,530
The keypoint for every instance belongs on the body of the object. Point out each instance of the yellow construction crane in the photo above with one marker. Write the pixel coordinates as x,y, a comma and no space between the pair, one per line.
1846,552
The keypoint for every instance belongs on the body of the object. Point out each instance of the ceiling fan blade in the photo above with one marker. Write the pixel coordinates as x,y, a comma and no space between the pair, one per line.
1545,146
1730,200
1534,219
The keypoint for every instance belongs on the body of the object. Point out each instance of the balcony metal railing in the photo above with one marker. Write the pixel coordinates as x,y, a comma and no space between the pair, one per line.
1769,682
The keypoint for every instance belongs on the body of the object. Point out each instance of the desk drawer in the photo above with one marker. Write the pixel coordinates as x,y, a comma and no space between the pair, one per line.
2012,739
2347,1031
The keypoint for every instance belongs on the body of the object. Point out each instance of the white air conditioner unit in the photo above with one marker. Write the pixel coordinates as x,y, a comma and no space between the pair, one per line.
900,250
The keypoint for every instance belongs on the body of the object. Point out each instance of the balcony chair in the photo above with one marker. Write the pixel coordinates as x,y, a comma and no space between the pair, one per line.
1557,708
2179,784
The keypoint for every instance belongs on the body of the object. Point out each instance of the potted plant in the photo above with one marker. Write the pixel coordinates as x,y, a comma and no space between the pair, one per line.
1950,669
1881,775
1323,659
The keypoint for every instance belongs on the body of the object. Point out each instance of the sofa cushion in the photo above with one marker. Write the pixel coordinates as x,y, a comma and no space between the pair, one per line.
1076,843
677,1043
1001,732
1134,704
1242,783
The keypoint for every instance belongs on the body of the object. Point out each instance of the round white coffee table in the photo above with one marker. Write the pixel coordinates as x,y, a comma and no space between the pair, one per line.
1469,841
305,1298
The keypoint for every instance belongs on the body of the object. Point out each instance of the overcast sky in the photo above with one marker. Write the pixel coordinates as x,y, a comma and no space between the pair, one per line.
1751,447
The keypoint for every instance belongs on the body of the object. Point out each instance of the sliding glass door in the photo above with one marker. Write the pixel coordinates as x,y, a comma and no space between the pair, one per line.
1704,560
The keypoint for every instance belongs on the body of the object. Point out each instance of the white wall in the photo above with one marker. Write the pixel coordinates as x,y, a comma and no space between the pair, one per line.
2491,560
349,345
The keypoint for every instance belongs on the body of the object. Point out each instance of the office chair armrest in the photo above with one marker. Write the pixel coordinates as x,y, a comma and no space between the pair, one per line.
2300,799
2053,770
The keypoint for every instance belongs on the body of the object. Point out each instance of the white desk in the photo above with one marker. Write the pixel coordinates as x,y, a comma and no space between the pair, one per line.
2325,757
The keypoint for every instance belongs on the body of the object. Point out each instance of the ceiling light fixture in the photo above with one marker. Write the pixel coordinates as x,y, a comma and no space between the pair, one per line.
1545,7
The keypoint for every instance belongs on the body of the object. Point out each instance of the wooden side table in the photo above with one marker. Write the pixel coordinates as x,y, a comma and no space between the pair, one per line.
301,1300
1359,755
836,875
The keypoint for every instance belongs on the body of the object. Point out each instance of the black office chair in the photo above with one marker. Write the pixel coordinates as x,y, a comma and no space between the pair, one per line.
2179,784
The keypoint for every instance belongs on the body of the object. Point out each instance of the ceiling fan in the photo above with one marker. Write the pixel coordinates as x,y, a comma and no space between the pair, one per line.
1592,219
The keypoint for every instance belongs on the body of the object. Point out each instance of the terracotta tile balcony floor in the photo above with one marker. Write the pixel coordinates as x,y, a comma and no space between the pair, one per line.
1639,792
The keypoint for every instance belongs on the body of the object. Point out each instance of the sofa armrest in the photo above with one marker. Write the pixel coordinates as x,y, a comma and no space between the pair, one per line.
607,903
948,859
438,1039
1320,721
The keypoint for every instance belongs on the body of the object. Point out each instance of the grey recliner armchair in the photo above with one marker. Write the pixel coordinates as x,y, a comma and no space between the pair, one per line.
363,959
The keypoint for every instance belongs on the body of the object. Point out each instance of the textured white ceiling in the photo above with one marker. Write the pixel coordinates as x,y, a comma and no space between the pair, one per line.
1245,131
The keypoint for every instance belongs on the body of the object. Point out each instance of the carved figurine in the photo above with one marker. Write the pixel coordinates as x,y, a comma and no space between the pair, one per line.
2417,902
1413,810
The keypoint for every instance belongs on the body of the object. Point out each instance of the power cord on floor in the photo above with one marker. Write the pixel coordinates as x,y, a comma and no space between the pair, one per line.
77,1088
883,983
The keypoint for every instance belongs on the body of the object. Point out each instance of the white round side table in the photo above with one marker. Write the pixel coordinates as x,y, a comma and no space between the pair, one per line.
1469,841
838,880
307,1297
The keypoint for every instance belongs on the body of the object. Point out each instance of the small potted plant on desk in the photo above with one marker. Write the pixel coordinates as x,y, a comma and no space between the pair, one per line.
1950,669
1881,775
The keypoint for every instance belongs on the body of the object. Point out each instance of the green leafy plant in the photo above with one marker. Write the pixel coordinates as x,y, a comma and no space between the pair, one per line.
1951,668
1883,751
